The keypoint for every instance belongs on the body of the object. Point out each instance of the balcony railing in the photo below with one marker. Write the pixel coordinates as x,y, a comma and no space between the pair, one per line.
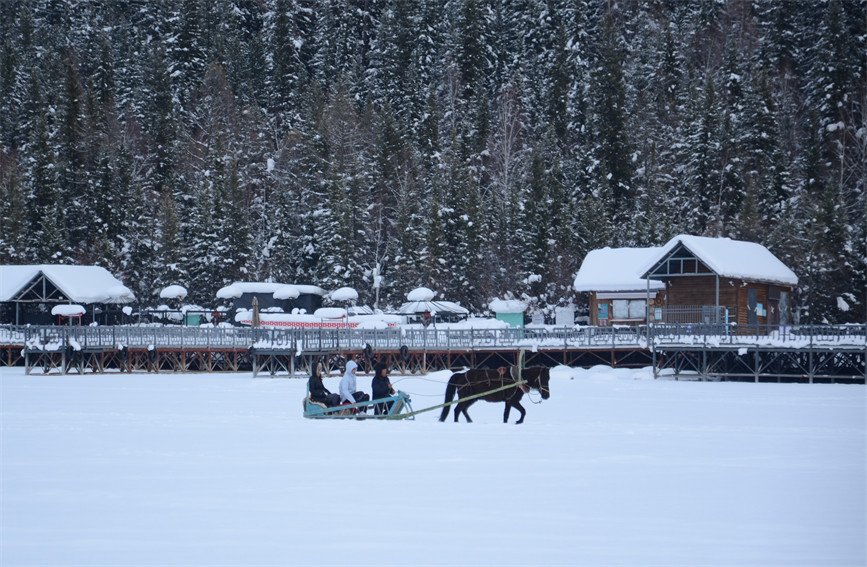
686,314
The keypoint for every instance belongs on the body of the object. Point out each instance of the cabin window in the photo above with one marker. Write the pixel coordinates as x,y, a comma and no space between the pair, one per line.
690,267
621,308
629,308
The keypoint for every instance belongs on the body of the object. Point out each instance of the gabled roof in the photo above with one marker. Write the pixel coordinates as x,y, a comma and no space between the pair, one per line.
508,306
616,269
81,284
727,258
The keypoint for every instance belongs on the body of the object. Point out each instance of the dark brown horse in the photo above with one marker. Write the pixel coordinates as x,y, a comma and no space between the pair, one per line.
476,381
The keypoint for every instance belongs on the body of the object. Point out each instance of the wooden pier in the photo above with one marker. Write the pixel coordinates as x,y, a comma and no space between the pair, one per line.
807,354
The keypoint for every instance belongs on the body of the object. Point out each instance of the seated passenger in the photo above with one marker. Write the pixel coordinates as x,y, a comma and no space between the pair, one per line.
318,392
381,388
348,393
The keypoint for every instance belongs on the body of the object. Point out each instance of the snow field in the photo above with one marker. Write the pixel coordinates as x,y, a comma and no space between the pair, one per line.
613,469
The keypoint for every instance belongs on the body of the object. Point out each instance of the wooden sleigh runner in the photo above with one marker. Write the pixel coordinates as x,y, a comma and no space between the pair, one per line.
396,407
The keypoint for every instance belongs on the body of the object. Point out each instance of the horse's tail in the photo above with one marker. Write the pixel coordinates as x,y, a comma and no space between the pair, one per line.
450,395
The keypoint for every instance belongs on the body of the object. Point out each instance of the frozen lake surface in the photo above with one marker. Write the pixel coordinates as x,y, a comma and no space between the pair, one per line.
614,469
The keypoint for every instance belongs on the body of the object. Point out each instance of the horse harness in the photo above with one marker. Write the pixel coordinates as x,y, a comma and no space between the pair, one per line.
494,383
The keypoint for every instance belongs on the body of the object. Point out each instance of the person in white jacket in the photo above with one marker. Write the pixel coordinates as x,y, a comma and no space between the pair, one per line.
347,390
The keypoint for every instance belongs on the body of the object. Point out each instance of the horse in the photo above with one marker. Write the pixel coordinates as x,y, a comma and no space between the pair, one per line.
478,380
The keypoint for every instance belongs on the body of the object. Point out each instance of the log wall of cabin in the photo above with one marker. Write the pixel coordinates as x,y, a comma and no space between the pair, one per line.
732,293
701,291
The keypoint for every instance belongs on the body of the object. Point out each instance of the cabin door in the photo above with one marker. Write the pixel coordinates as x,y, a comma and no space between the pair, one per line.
784,308
774,305
752,302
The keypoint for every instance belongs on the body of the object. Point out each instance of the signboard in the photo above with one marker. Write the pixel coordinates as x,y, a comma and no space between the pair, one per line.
603,311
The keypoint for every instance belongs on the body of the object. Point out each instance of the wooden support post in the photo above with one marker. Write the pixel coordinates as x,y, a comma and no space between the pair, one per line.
757,364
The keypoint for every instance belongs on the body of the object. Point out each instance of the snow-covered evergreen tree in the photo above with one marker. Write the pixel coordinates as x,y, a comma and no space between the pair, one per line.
319,140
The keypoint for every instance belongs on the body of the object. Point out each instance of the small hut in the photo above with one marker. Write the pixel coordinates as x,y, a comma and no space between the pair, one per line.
28,293
270,294
509,310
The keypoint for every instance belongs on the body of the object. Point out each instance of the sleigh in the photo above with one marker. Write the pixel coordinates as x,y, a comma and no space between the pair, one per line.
397,407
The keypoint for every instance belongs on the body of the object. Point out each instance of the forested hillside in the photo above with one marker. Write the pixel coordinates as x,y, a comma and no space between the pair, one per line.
477,147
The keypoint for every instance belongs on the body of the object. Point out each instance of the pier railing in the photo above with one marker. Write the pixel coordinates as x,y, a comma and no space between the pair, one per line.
430,339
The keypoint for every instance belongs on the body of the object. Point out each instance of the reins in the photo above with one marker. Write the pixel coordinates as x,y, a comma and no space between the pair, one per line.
459,400
530,397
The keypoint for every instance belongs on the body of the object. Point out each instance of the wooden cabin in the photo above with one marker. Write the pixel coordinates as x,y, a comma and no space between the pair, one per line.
731,281
691,279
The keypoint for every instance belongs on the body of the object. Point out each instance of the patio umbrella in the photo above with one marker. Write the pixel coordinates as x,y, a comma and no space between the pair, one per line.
255,322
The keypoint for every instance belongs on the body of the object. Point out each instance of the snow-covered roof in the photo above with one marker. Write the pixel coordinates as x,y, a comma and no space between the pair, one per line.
729,258
82,284
237,289
360,310
309,289
616,269
344,294
431,307
508,306
287,292
331,313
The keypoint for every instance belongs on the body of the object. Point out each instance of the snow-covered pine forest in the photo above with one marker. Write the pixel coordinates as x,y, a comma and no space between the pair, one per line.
477,147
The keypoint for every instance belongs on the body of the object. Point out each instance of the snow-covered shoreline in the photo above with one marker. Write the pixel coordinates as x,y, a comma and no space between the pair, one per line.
614,469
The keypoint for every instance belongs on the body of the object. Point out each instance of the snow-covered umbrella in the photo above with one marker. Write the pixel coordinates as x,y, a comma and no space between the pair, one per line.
256,321
68,311
178,292
420,294
432,307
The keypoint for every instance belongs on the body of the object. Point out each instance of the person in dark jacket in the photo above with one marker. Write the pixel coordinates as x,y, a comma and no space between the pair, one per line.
381,388
318,391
